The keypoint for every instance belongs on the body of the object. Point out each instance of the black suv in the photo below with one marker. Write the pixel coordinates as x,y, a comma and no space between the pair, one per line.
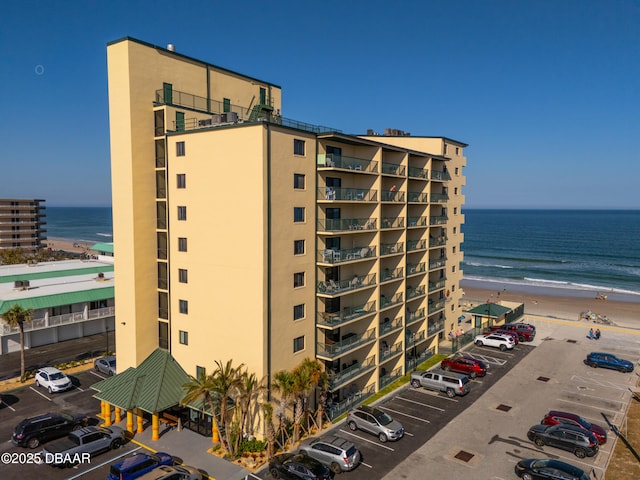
567,437
33,431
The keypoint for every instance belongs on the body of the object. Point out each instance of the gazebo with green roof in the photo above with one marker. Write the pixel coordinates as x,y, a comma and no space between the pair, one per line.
488,314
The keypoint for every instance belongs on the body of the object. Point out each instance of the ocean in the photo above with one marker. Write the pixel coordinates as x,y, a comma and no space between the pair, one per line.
562,252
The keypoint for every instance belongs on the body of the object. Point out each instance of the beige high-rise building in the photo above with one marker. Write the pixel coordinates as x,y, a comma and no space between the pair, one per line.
22,224
244,235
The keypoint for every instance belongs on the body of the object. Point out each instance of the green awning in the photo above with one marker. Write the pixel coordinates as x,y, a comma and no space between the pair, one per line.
489,310
102,247
155,385
58,299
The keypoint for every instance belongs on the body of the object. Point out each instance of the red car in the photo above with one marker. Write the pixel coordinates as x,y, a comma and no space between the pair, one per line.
466,364
554,418
509,333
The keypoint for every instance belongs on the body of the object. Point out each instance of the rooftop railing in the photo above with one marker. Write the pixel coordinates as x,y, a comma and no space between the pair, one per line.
348,343
58,320
348,313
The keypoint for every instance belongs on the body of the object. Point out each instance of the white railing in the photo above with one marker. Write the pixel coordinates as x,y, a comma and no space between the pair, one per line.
56,321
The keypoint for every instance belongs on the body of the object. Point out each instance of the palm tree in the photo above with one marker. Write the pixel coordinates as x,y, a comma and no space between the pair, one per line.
17,316
267,408
283,383
308,375
319,379
226,383
201,389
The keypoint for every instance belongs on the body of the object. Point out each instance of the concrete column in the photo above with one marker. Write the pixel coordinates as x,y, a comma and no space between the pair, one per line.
118,415
155,435
102,403
130,421
107,414
140,420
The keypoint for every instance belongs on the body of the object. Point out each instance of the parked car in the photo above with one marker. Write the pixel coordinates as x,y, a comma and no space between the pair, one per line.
608,360
533,469
176,472
526,332
53,380
464,363
337,453
555,417
451,383
91,440
136,465
376,422
296,466
496,340
509,333
106,365
567,437
31,432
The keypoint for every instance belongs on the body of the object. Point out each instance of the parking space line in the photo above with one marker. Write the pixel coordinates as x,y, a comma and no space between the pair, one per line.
77,475
488,359
589,406
433,394
96,374
78,388
491,348
621,402
607,384
41,394
366,464
366,440
404,414
420,403
7,405
408,434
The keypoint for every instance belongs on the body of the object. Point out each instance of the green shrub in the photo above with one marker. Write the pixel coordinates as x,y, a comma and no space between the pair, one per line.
253,445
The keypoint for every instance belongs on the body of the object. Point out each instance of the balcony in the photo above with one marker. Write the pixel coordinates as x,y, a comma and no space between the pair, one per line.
415,172
437,241
412,339
415,268
438,220
417,197
415,292
436,264
436,306
439,198
59,320
435,327
391,248
348,343
413,317
439,285
440,175
345,255
390,326
388,302
346,163
353,371
388,275
392,222
417,221
336,409
393,169
348,314
335,287
413,245
347,194
392,196
387,353
346,224
390,377
413,361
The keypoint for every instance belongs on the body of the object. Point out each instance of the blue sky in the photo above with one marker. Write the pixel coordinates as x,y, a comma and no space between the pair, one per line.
546,93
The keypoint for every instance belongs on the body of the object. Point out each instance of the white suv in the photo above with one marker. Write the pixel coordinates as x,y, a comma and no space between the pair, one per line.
53,380
503,342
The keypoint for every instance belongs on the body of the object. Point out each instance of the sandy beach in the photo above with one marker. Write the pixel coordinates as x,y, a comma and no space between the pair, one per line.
68,245
621,313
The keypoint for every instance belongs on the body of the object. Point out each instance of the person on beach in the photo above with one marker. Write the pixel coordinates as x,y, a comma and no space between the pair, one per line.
597,334
591,335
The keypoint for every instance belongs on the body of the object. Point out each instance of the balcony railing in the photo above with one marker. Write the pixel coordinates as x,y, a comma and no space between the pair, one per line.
390,325
436,306
417,197
351,372
414,268
345,255
346,224
347,194
390,377
392,196
440,175
412,339
336,409
433,286
347,314
393,169
436,264
392,222
435,327
417,221
387,352
413,361
415,316
437,241
416,172
391,248
438,220
439,198
352,341
334,287
391,274
347,163
415,292
387,302
416,245
58,320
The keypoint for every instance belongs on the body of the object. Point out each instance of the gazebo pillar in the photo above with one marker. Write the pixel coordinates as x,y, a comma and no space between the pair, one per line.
130,421
155,435
140,419
107,414
102,402
118,415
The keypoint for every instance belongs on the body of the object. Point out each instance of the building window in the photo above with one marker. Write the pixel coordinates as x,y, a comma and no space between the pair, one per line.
200,371
456,171
455,190
226,105
184,337
182,275
298,344
163,335
298,181
298,311
298,247
298,147
455,230
453,268
298,279
184,306
182,213
445,149
182,244
454,249
298,214
455,210
179,149
182,180
457,150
